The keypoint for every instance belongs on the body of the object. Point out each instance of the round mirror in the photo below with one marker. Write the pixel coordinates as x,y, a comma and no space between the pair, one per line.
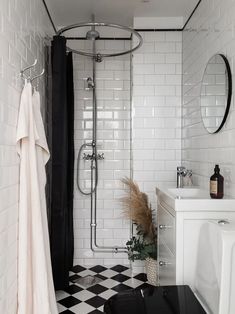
216,91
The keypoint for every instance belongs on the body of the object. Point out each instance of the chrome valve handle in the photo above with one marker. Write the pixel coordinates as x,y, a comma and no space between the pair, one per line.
163,227
223,222
93,156
162,263
180,169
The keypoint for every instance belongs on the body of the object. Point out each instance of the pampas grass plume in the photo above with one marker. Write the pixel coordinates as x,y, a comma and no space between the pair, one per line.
137,208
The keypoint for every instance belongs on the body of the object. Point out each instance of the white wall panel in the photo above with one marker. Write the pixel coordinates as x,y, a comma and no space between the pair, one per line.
210,31
23,26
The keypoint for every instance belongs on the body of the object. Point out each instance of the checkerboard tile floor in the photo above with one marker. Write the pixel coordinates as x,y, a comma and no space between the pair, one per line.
78,300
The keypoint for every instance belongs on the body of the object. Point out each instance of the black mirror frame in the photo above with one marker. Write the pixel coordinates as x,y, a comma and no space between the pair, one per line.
229,97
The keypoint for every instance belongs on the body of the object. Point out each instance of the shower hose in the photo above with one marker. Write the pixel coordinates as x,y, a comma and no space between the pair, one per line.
94,167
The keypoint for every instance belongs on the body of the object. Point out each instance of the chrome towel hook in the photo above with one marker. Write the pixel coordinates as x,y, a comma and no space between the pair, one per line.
27,68
37,76
22,72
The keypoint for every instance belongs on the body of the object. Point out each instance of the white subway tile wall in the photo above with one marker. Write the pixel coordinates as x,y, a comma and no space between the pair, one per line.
23,26
155,115
157,110
113,136
210,31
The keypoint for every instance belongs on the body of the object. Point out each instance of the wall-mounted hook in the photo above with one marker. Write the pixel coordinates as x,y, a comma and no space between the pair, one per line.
27,68
37,76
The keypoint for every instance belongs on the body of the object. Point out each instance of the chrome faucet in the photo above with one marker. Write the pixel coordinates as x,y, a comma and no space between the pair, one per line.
181,173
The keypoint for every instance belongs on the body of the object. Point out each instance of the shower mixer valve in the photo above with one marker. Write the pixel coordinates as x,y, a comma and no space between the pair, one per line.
90,83
93,156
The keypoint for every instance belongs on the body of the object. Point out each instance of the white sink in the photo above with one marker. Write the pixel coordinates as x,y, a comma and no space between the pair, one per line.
191,192
192,199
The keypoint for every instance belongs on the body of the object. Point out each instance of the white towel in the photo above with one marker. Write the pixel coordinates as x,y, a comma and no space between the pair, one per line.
35,285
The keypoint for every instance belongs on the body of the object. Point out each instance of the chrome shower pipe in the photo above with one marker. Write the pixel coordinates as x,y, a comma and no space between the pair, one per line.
94,165
131,128
93,21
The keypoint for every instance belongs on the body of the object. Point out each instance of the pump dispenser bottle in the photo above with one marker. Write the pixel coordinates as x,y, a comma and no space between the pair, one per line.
217,184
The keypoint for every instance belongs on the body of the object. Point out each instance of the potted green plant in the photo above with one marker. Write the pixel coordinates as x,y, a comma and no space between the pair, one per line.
139,249
143,245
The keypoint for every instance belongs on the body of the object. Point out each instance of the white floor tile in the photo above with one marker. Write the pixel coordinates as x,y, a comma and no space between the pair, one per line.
82,308
84,295
107,294
86,273
109,283
127,272
132,282
61,308
109,273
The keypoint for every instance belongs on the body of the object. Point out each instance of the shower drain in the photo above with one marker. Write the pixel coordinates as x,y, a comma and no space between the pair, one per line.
88,281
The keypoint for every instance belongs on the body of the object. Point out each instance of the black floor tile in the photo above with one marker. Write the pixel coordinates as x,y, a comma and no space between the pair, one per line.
69,301
73,289
141,277
78,269
101,277
120,277
73,278
143,286
121,287
96,301
98,269
119,268
97,289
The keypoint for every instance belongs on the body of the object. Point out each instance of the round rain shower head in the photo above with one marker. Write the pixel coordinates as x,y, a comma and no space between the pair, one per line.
92,34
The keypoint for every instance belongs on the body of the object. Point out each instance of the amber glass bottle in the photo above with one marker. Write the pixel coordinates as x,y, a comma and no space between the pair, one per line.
217,184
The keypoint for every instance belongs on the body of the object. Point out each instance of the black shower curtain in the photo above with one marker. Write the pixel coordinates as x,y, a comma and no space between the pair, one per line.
62,163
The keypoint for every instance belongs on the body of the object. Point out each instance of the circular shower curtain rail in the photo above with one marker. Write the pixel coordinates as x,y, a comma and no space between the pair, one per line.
99,24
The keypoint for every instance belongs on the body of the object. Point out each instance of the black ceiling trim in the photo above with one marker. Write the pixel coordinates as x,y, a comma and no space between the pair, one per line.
49,15
137,29
191,14
158,29
100,38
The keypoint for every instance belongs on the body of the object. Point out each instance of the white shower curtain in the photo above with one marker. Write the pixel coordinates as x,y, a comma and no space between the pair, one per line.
35,284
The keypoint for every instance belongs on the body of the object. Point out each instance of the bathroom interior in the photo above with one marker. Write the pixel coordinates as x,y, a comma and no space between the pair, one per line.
100,100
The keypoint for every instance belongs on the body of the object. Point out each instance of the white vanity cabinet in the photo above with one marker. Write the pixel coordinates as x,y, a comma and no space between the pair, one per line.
179,221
